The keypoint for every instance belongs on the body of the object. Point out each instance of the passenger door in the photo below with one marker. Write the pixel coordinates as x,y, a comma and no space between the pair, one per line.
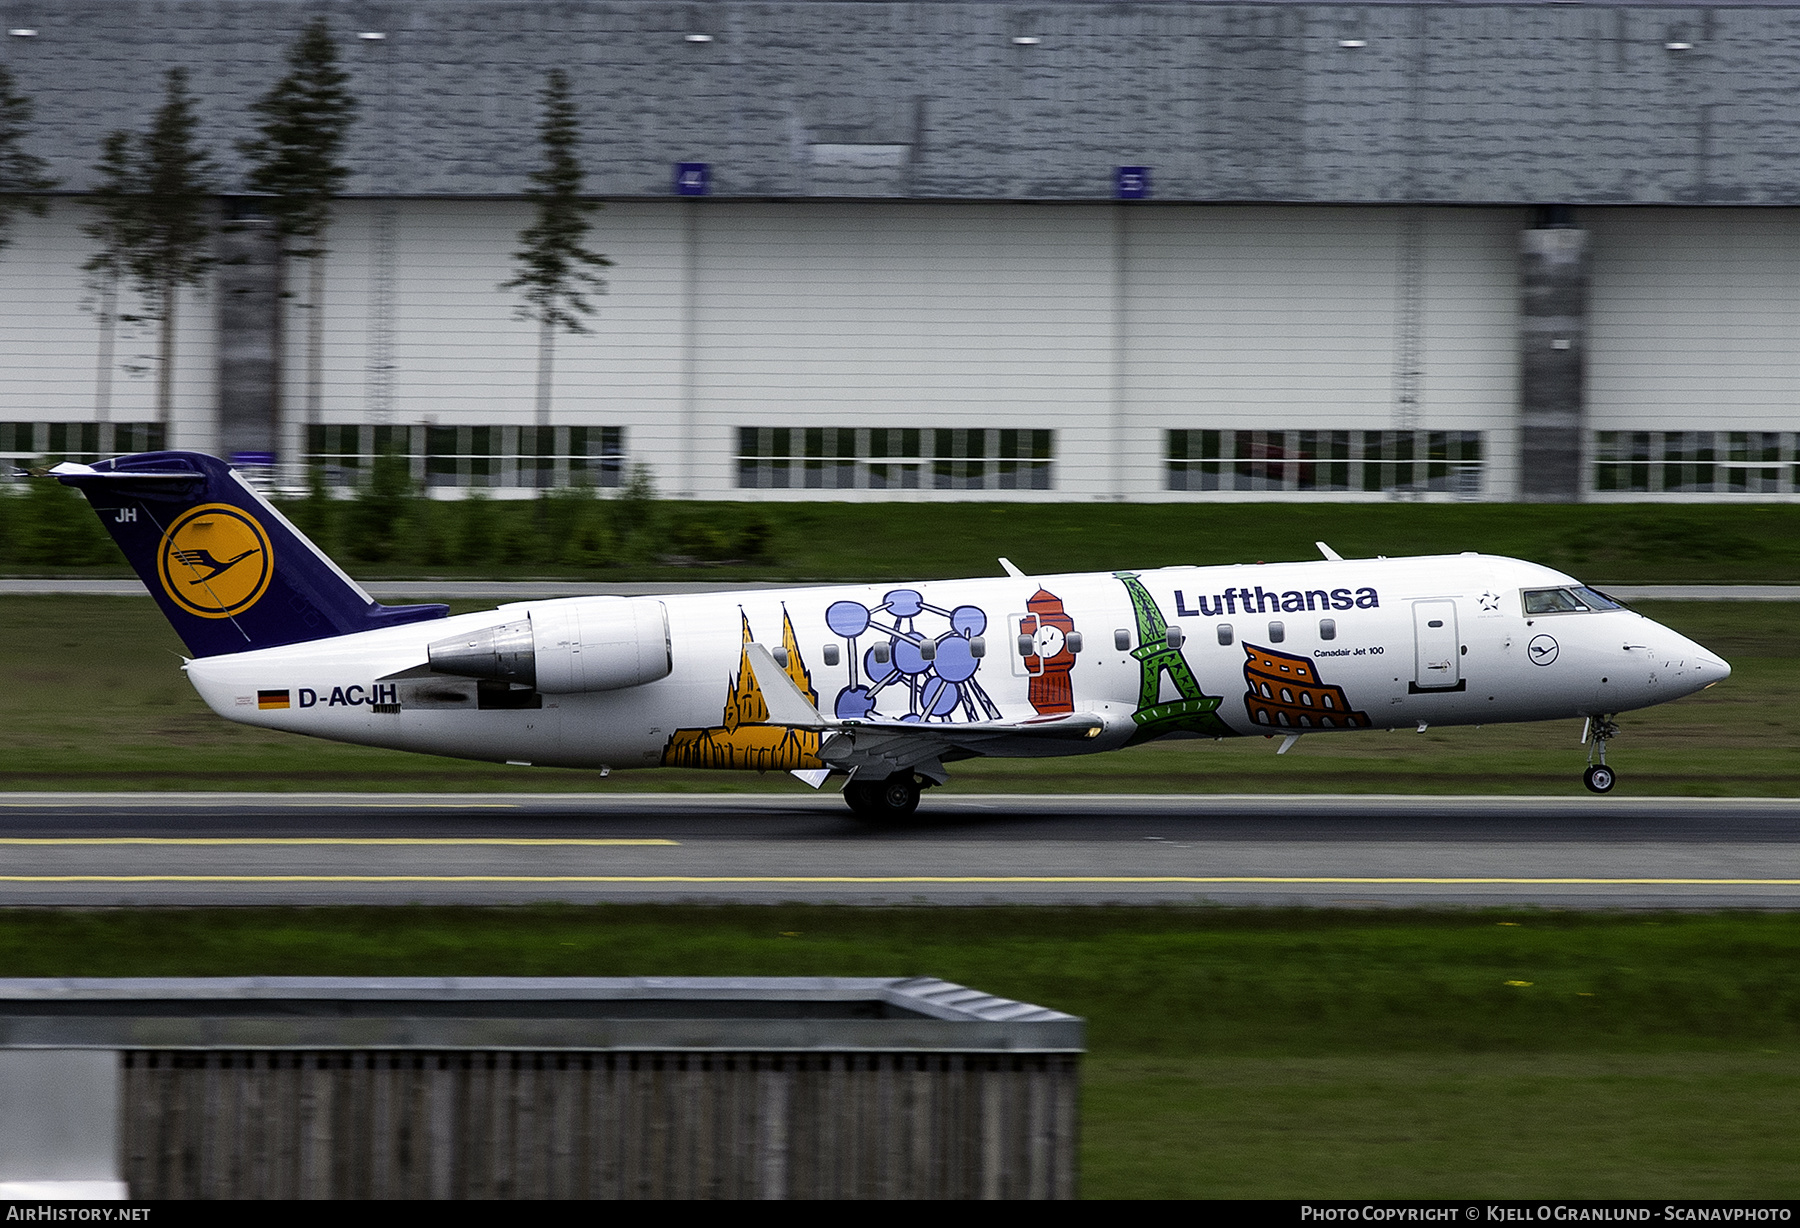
1437,650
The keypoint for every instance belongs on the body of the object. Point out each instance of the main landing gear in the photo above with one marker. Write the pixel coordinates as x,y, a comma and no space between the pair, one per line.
884,801
1598,732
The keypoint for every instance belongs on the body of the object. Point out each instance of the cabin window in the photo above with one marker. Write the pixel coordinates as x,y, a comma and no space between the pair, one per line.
977,649
1073,641
881,652
1436,622
1122,640
1277,632
1224,633
830,654
1328,628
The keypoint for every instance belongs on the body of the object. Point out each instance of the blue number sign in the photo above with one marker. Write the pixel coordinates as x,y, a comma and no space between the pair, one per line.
1131,182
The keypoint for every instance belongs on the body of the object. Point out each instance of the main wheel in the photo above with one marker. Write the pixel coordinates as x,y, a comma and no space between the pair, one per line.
886,801
863,798
1599,778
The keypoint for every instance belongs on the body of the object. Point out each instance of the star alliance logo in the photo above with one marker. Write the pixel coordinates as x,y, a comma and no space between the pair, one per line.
1490,602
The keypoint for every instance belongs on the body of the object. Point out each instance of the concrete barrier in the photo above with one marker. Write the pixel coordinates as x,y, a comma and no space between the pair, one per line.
707,1087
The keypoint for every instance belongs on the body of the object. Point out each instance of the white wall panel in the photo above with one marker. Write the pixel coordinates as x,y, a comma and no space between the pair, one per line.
50,337
1287,317
461,357
1694,319
969,315
983,316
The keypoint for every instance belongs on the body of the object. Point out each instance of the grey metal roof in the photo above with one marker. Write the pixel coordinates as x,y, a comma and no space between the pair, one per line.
935,99
737,1014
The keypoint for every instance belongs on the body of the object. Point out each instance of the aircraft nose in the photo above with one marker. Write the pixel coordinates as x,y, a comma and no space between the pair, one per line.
1699,668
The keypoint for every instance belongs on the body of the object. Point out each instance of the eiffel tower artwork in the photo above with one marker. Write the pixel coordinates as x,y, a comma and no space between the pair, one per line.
1195,711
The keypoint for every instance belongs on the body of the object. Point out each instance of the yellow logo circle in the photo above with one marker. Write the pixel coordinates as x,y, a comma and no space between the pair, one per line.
215,561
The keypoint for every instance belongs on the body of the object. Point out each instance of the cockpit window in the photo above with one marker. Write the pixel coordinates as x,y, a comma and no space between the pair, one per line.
1576,600
1597,600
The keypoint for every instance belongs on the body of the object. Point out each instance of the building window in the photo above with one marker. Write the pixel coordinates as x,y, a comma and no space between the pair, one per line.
893,458
26,443
463,456
1696,462
1449,462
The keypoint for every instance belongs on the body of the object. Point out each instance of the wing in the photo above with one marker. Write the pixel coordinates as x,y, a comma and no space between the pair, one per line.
885,747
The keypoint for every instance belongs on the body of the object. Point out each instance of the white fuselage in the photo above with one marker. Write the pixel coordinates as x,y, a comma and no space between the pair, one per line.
1366,643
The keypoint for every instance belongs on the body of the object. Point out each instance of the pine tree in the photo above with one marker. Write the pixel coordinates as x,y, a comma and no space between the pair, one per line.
177,204
295,160
555,267
21,174
155,201
116,231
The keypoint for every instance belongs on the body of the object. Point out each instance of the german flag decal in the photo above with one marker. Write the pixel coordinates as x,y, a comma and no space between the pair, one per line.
271,699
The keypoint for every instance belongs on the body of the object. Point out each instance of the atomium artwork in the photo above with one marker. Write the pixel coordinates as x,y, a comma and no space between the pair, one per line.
903,662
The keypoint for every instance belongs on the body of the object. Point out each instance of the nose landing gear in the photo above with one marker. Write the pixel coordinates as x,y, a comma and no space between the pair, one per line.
1597,733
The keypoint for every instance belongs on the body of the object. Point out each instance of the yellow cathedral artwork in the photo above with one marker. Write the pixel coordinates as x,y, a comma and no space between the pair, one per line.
736,742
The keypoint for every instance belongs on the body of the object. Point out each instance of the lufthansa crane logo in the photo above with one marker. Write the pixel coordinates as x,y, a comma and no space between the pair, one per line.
215,561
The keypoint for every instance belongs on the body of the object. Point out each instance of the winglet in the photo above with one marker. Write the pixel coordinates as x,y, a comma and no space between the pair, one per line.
1329,553
786,702
1011,570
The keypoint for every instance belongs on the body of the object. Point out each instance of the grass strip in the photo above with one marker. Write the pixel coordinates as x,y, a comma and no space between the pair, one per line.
52,532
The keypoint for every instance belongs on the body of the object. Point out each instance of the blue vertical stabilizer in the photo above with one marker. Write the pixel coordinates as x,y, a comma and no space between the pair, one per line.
229,570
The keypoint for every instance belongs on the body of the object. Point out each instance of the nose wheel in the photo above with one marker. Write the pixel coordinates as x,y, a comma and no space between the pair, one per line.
1597,733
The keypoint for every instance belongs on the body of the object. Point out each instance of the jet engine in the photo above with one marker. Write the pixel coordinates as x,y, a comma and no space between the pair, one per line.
602,644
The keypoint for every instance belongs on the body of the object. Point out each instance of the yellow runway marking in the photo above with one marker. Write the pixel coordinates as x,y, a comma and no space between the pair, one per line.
324,840
894,880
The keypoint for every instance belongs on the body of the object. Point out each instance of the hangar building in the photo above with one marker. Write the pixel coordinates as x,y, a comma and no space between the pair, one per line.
970,249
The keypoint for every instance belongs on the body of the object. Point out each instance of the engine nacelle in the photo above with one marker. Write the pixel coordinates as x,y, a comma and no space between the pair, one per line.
602,644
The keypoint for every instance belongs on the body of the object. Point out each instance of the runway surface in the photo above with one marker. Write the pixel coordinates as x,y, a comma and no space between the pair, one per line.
214,848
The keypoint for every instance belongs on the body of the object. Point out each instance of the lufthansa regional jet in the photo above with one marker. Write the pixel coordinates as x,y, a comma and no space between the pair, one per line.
878,686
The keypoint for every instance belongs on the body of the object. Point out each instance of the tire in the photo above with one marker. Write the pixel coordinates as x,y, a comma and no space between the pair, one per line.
1599,778
885,801
899,797
862,798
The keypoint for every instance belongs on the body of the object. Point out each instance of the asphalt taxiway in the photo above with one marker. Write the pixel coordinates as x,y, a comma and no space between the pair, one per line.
102,849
